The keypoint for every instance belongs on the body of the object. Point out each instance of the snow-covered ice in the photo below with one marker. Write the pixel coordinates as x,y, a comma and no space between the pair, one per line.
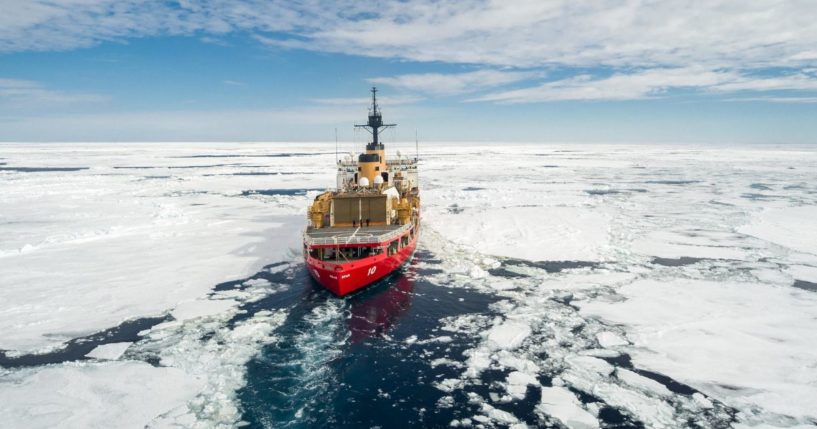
651,282
741,342
564,233
201,308
93,395
508,335
110,351
698,262
563,405
791,227
142,229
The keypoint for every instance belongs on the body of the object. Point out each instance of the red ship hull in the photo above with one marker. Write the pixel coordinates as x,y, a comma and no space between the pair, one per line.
345,278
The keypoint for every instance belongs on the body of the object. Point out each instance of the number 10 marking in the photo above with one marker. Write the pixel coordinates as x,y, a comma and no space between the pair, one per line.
372,270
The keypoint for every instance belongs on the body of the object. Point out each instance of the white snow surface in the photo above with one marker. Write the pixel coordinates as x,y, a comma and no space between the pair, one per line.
201,308
530,232
110,351
85,250
792,227
94,395
508,335
684,258
727,338
562,404
699,248
145,230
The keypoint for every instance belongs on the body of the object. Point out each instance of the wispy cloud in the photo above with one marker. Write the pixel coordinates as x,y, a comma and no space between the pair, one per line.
793,81
234,83
651,47
717,33
633,86
364,101
176,125
26,93
782,100
650,83
456,83
214,41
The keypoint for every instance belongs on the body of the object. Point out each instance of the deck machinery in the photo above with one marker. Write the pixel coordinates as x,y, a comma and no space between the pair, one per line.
369,225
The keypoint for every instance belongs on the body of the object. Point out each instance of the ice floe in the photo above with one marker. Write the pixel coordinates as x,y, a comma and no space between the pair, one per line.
743,343
563,405
532,233
647,284
111,351
508,335
93,395
76,242
792,227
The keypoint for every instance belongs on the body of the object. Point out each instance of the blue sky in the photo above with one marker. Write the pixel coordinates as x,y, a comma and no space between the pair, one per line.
550,71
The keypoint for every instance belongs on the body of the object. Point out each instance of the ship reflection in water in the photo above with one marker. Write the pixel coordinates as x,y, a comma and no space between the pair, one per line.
375,311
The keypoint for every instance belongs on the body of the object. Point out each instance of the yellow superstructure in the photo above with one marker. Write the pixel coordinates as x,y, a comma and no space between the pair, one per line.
373,164
372,191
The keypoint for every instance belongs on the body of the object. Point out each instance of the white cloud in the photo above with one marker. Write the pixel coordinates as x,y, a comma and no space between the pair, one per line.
633,86
456,83
25,93
177,125
68,24
669,44
797,81
365,101
650,83
782,100
716,33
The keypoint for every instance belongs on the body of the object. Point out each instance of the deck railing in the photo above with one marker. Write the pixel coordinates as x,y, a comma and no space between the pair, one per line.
357,238
389,161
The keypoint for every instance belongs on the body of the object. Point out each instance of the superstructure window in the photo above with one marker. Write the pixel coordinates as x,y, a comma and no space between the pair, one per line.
346,254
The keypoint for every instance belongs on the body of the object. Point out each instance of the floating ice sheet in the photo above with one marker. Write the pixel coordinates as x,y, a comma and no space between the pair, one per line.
111,351
93,395
682,257
744,343
792,227
85,250
532,233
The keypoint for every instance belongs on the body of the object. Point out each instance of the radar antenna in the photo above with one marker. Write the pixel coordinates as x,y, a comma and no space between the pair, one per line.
375,124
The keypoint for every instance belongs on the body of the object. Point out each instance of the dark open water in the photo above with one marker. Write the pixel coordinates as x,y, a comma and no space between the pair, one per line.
369,360
352,362
373,359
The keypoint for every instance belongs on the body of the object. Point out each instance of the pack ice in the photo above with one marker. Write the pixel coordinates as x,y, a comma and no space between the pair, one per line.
665,285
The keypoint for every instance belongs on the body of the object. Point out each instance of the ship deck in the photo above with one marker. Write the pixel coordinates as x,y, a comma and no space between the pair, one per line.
353,235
